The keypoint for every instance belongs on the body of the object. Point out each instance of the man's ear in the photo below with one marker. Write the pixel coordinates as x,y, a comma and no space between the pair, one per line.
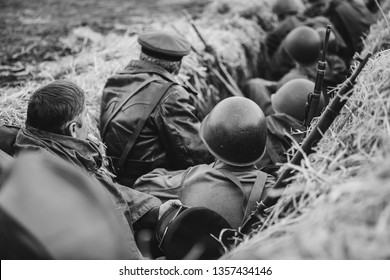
72,130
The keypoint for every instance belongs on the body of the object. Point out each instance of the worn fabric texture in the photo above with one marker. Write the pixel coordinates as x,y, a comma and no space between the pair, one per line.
282,129
170,138
351,20
7,138
204,185
259,91
85,154
276,36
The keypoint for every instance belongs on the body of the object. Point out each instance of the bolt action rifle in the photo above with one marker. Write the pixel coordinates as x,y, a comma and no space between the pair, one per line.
313,98
226,78
315,135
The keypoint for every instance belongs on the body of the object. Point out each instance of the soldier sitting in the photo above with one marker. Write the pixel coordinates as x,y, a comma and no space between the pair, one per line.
289,13
147,119
350,19
303,45
287,123
235,133
57,122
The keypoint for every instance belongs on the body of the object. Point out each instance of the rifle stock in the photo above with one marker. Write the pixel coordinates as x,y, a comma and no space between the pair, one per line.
315,135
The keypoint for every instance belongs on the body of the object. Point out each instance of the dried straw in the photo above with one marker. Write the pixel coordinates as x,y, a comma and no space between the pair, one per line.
338,206
236,40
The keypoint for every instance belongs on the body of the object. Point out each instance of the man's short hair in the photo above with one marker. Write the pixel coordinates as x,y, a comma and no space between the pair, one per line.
170,66
51,107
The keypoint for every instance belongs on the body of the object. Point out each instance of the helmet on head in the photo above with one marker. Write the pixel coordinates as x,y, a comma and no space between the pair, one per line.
303,44
286,7
291,98
235,131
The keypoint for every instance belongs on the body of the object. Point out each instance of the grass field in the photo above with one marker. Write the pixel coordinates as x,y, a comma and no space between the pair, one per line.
30,30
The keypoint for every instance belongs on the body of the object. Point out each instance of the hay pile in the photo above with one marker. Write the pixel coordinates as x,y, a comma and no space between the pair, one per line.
235,35
339,205
378,38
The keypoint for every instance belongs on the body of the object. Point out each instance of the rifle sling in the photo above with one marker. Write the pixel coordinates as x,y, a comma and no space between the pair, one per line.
255,193
124,101
140,124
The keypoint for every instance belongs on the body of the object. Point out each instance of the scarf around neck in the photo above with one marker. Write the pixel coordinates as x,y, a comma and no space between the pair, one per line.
80,152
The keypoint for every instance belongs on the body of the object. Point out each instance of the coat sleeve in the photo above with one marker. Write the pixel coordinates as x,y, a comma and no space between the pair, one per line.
162,183
132,203
179,130
272,42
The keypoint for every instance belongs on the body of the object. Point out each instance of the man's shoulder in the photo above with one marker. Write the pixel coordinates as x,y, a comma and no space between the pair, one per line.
124,83
288,24
200,170
8,135
120,79
9,129
179,89
175,93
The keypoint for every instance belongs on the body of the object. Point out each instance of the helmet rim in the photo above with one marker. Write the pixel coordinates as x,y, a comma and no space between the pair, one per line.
205,137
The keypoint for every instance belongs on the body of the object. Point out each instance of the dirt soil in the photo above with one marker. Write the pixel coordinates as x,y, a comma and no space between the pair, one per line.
30,30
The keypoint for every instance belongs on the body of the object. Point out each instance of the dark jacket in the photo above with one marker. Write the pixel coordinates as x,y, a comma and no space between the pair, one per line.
7,138
259,91
352,20
85,154
281,130
204,185
169,138
275,37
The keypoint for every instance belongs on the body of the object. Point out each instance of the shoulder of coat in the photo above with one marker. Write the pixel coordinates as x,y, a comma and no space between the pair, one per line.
174,92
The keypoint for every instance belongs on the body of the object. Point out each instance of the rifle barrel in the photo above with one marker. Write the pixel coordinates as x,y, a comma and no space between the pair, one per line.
190,20
314,97
227,79
325,47
327,118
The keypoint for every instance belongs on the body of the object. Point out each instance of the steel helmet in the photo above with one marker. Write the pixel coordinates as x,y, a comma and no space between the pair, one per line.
303,44
235,131
291,98
284,7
